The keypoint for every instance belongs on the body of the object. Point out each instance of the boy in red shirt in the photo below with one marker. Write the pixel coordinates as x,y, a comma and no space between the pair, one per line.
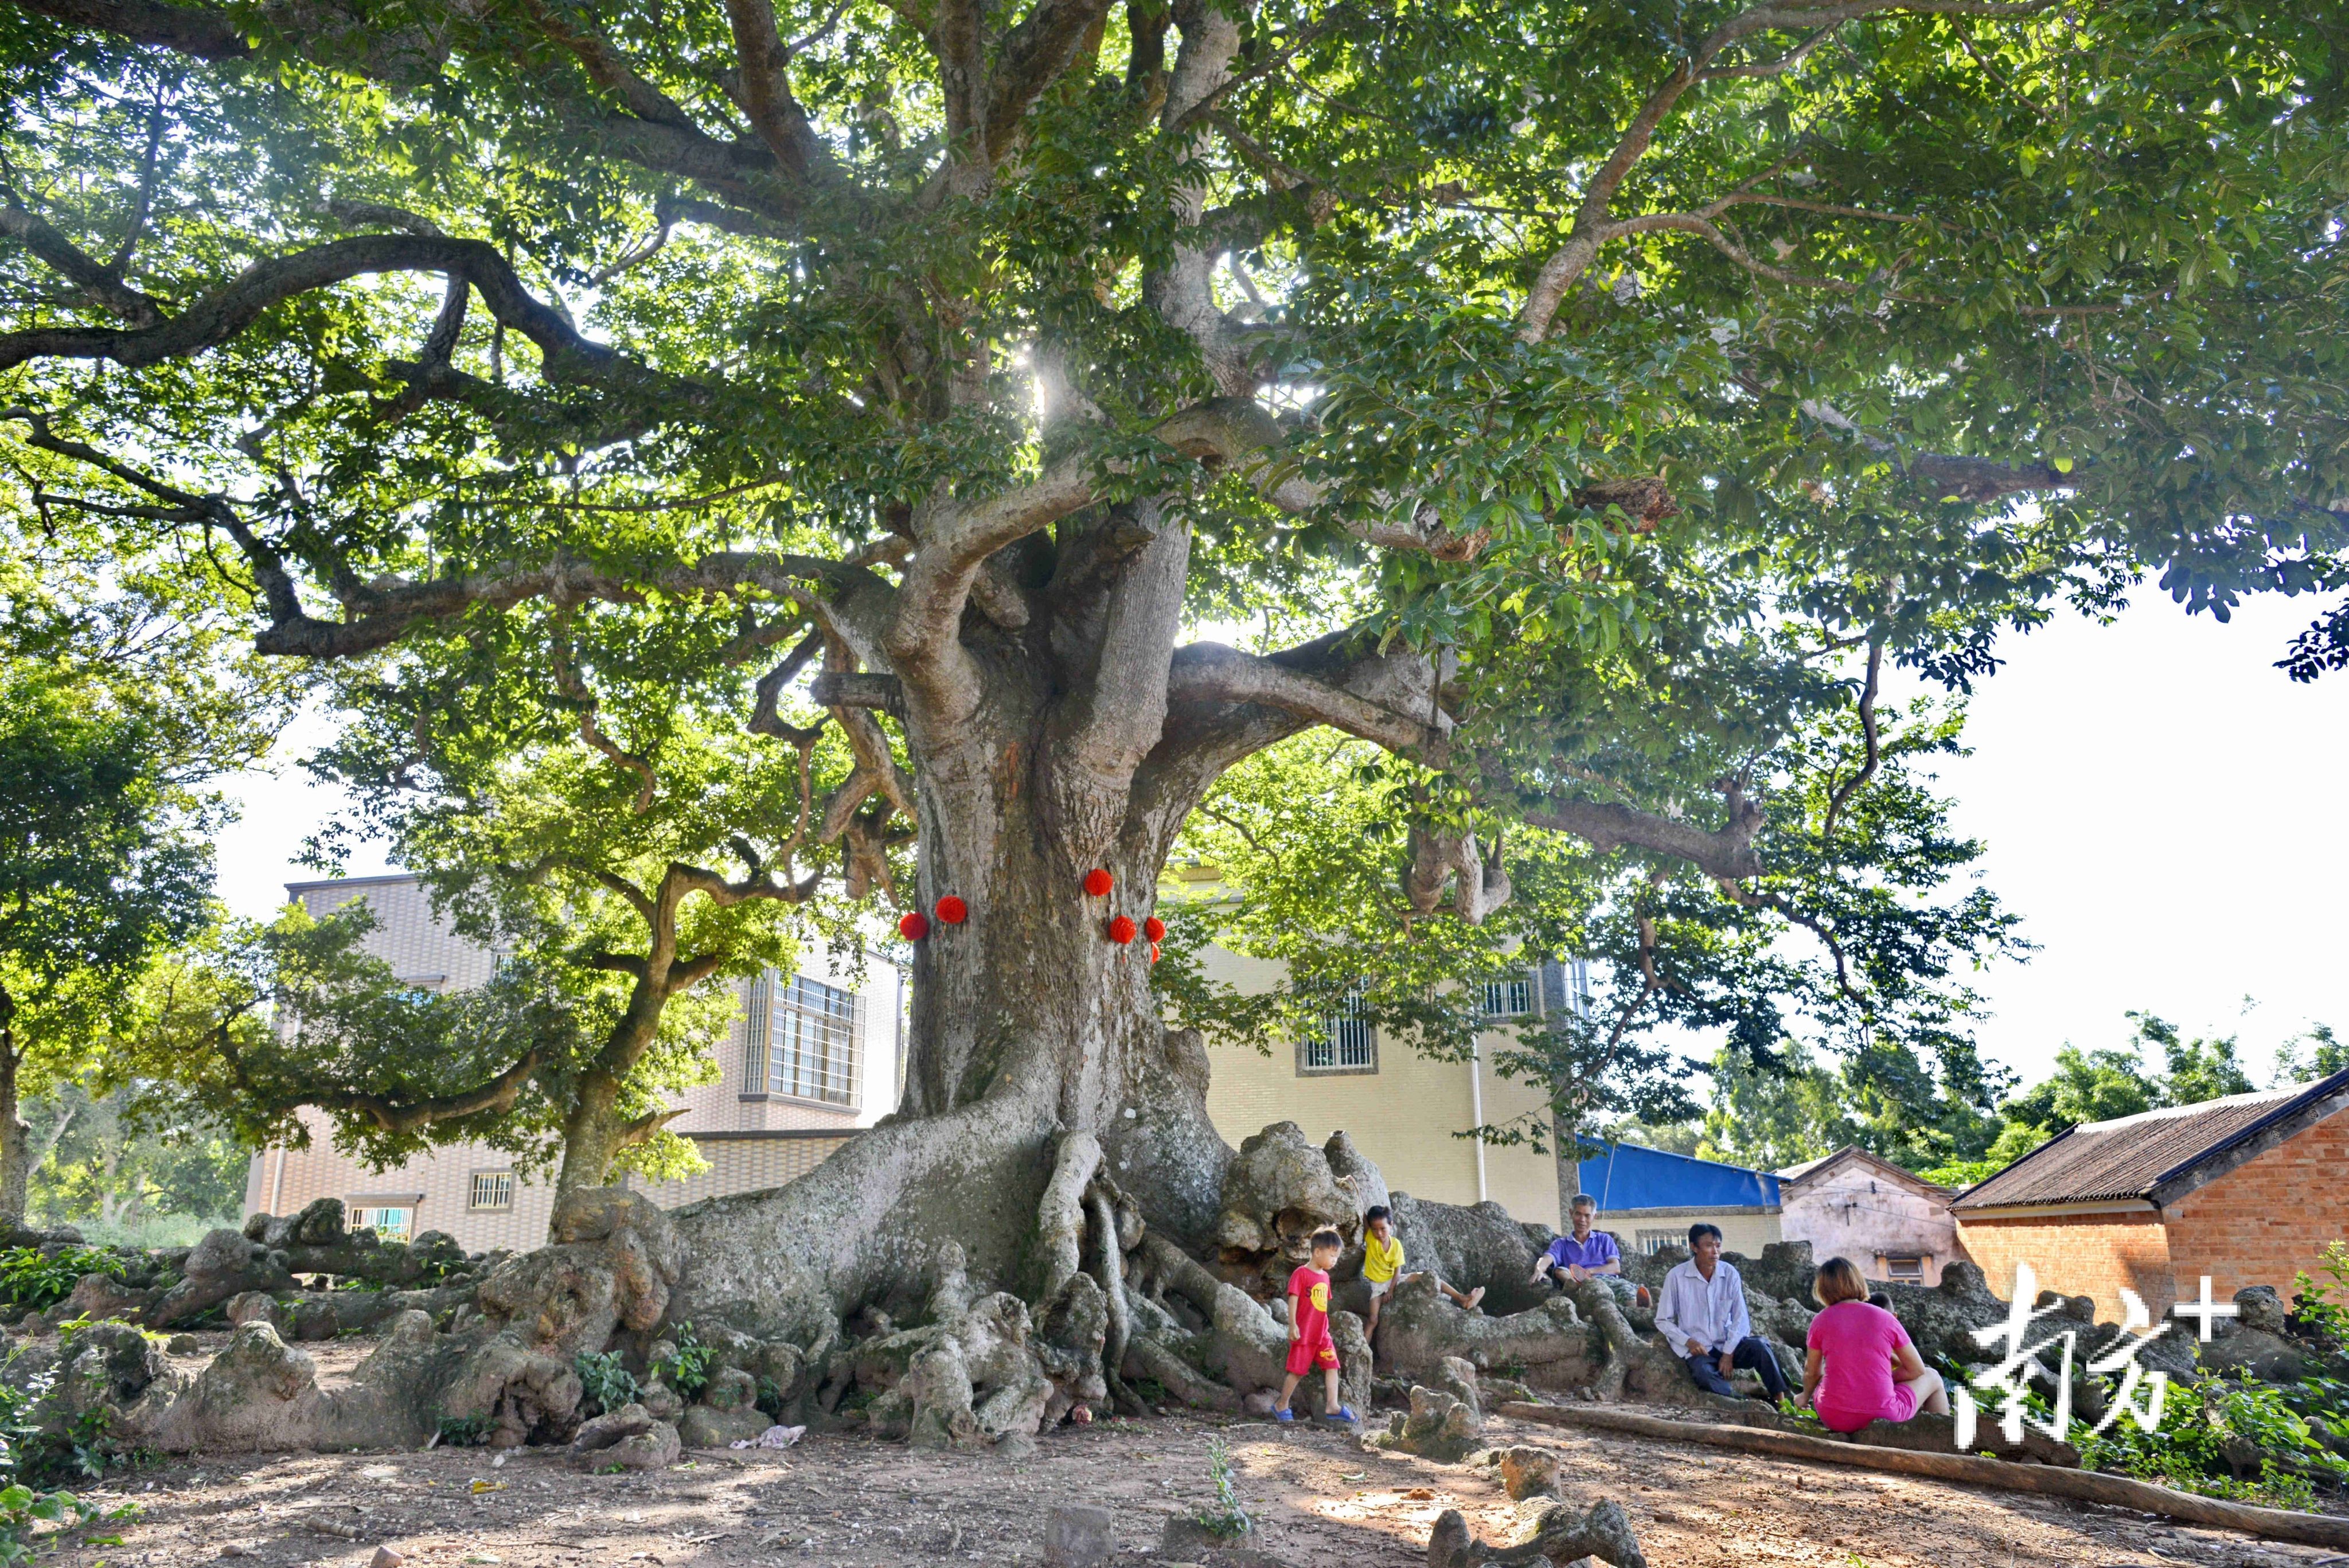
1309,1344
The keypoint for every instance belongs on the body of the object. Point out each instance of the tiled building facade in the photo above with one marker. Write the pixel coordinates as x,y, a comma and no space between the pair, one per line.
809,1059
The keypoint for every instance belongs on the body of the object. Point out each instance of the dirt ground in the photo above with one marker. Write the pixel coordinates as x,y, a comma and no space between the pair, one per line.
1319,1498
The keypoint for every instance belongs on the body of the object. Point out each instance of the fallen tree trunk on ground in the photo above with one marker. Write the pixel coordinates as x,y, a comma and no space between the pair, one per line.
2084,1486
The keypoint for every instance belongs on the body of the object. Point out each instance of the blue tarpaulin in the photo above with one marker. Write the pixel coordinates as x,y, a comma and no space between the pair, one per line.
1626,1175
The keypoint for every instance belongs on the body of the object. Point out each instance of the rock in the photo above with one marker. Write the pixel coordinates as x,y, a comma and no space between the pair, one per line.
385,1557
1527,1472
663,1401
2259,1307
255,1306
103,1295
1439,1427
1277,1192
1550,1344
630,1437
1470,1245
704,1427
183,1345
32,1325
1449,1544
1260,1402
1785,1271
1080,1536
731,1388
1187,1537
317,1318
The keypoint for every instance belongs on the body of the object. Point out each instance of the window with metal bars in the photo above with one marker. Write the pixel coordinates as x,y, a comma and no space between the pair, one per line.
1509,998
801,1038
491,1189
1345,1043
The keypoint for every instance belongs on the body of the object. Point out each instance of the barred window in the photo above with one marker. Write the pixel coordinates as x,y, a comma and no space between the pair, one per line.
1653,1242
758,1011
1909,1267
1509,998
389,1223
492,1189
1345,1043
813,1042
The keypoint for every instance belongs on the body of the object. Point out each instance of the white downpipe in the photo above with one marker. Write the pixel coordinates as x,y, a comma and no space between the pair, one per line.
1476,1110
277,1182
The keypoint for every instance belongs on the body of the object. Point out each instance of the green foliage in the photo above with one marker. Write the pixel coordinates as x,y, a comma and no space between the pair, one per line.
23,1511
1225,1518
2225,1437
2314,1054
30,1279
687,1370
465,1431
116,1163
606,1384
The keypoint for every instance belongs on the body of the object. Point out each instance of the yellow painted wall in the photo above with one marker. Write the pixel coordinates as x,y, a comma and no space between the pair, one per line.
1403,1116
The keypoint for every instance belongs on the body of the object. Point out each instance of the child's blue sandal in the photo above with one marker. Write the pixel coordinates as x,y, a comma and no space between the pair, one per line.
1343,1413
1284,1417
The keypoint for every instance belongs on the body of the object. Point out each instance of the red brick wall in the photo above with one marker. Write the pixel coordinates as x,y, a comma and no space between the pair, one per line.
2078,1254
2264,1220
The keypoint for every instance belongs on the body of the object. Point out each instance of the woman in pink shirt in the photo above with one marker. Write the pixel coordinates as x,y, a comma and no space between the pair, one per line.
1861,1366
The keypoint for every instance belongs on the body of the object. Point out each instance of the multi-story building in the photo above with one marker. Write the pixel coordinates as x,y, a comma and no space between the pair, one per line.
812,1057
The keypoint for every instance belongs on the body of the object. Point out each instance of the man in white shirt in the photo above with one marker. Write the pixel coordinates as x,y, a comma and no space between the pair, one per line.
1702,1314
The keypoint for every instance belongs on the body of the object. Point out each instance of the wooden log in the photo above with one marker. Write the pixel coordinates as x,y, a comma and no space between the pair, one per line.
2052,1480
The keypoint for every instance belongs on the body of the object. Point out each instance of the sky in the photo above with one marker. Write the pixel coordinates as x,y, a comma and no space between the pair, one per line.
2164,808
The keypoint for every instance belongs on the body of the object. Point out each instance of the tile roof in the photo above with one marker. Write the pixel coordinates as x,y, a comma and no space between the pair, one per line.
2129,1157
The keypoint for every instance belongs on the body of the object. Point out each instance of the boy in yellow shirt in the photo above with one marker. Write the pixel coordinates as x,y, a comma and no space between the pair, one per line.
1383,1267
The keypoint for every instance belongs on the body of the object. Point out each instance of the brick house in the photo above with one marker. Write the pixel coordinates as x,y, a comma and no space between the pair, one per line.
2246,1190
1852,1204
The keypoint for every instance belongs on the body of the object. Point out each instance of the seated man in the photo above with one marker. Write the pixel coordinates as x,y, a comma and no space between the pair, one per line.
1702,1317
1586,1254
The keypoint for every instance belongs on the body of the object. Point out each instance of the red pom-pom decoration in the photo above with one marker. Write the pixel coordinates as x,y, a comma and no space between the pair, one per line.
1154,928
1120,930
1097,883
952,912
914,925
1154,952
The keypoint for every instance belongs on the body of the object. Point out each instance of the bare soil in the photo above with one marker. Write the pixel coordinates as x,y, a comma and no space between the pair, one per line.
856,1503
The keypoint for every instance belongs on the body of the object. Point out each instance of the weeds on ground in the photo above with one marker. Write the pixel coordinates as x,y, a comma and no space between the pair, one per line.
1226,1520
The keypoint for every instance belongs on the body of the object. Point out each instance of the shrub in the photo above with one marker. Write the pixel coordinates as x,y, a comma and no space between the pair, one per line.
2224,1436
606,1384
23,1511
28,1279
688,1371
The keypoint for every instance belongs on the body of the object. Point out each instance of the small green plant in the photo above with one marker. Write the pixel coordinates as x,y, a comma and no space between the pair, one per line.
464,1431
1226,1520
607,1384
23,1511
28,1279
2224,1436
688,1371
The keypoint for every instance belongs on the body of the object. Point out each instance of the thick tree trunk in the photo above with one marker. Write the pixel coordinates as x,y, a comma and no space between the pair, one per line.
591,1133
15,1138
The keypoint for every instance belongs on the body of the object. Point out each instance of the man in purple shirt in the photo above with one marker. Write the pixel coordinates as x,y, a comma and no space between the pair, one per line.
1587,1254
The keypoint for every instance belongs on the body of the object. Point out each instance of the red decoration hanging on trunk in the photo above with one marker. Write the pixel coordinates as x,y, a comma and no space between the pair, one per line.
1120,930
914,925
1154,928
952,912
1097,883
1154,952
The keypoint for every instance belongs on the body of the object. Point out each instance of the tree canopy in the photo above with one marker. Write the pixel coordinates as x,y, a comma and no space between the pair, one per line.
1588,403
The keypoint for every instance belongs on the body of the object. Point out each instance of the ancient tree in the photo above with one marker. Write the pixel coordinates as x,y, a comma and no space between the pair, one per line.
1571,401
